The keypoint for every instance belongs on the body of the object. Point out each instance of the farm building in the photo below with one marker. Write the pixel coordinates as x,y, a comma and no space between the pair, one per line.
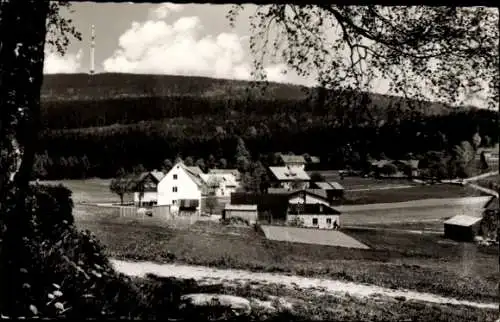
293,161
288,178
271,207
395,168
219,184
182,188
246,212
234,172
313,215
146,188
462,228
334,190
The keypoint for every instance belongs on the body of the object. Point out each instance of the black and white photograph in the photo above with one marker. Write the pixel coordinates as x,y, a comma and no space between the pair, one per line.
275,162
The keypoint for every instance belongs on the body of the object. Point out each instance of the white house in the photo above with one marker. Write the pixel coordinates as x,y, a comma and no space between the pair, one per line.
220,184
293,161
146,184
310,208
182,188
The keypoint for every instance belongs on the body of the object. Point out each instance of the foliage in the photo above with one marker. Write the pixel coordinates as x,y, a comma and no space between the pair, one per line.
354,46
121,186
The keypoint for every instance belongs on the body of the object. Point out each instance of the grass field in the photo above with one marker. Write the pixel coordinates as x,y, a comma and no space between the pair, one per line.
361,183
398,260
438,191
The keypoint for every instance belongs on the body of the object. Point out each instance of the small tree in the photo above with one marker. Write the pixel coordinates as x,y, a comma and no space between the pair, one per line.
120,186
389,169
167,165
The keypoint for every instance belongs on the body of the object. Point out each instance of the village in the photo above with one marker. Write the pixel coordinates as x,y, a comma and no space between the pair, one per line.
290,194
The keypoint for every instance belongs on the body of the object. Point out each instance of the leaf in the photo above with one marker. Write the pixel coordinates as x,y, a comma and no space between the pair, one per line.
59,306
56,285
58,293
33,309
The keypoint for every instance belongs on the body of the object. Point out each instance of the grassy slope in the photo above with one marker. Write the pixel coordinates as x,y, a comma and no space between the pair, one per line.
424,263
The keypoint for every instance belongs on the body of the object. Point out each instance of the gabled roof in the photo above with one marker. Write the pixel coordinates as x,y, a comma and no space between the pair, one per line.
315,192
492,204
288,158
194,173
158,175
216,178
289,174
332,185
412,163
461,220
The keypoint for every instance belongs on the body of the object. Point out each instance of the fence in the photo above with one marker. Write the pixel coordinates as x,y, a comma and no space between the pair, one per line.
161,214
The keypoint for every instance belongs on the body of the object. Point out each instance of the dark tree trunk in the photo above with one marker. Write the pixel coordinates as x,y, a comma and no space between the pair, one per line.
22,32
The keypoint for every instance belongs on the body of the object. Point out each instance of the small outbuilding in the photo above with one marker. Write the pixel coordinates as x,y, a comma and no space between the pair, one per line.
246,212
462,228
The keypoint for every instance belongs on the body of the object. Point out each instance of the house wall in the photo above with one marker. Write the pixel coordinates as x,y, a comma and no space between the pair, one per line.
293,185
223,191
147,197
186,188
461,233
322,220
250,216
309,200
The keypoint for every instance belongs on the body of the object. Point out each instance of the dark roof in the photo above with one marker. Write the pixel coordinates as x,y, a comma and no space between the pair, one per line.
332,185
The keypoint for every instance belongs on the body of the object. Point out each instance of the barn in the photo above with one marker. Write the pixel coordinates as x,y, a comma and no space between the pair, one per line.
246,212
462,228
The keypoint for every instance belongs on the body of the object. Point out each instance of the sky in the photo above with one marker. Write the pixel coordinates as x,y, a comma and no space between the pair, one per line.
175,39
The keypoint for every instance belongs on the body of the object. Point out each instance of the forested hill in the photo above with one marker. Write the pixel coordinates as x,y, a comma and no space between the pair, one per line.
81,100
97,125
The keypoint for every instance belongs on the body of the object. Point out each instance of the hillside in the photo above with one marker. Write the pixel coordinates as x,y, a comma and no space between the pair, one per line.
81,100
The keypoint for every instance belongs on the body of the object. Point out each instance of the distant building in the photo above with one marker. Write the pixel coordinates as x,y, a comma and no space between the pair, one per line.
403,168
462,228
293,161
220,184
334,190
288,177
146,188
314,215
235,172
182,188
246,212
489,156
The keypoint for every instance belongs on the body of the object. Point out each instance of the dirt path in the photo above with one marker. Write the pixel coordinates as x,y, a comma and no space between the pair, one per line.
322,286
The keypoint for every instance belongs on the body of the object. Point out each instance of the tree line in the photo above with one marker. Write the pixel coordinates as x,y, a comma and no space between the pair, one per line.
211,140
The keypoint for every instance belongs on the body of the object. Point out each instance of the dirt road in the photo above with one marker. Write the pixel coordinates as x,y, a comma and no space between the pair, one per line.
322,286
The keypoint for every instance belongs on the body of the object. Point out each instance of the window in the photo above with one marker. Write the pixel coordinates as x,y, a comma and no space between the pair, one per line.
174,189
315,221
328,221
175,177
174,202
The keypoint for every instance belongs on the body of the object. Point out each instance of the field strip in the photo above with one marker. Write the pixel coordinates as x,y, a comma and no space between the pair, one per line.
415,204
381,188
322,286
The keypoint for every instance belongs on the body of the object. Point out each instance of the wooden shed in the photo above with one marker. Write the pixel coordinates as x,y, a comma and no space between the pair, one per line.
462,228
247,212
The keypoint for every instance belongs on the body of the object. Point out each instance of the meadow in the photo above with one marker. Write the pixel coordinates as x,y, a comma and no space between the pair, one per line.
396,259
426,262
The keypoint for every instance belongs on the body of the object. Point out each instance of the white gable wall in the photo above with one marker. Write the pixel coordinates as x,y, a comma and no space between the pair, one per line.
186,187
323,221
299,198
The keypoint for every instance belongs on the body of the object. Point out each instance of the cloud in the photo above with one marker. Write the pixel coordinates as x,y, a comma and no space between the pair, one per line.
156,47
164,9
55,63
